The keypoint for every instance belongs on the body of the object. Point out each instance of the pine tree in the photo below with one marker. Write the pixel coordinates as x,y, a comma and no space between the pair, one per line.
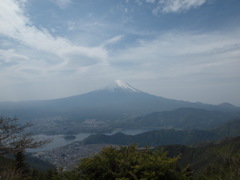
21,167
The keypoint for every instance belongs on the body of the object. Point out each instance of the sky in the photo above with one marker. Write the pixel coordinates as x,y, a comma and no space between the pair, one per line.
179,49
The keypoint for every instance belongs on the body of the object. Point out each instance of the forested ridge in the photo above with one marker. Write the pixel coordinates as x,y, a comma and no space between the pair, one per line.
214,158
168,136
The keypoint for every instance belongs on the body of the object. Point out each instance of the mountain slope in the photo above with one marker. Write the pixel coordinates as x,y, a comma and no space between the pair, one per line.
219,158
229,129
153,138
119,100
168,136
184,118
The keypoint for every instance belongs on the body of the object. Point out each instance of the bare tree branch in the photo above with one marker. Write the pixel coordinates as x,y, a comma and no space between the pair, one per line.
13,138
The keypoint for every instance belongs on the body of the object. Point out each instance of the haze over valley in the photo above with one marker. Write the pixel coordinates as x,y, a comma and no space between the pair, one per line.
118,105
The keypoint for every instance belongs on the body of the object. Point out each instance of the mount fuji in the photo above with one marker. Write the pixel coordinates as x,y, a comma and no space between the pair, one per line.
120,85
118,100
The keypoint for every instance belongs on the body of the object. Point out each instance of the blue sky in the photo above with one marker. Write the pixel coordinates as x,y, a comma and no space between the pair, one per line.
179,49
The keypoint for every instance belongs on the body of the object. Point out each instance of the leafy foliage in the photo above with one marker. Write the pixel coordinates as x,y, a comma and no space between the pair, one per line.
128,163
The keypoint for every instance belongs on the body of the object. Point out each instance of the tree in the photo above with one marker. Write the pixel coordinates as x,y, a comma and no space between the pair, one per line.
21,167
128,163
13,139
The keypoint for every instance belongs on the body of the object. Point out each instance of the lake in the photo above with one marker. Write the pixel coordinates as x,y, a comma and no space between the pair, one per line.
60,140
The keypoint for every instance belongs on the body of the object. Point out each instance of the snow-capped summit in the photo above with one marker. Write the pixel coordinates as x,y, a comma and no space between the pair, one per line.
119,85
117,101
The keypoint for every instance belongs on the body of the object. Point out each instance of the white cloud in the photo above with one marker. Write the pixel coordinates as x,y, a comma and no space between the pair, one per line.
180,65
168,6
16,25
150,1
62,3
10,55
139,2
183,54
113,40
32,58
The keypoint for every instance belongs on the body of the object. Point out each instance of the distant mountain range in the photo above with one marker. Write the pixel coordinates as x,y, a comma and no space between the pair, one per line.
168,136
182,118
118,100
152,138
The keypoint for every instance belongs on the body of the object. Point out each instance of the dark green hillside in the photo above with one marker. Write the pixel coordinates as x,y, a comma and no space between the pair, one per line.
220,159
168,136
39,164
33,162
153,138
5,163
229,129
38,169
206,161
185,118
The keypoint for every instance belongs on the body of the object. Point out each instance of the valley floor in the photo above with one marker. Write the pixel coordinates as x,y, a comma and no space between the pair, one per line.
68,156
